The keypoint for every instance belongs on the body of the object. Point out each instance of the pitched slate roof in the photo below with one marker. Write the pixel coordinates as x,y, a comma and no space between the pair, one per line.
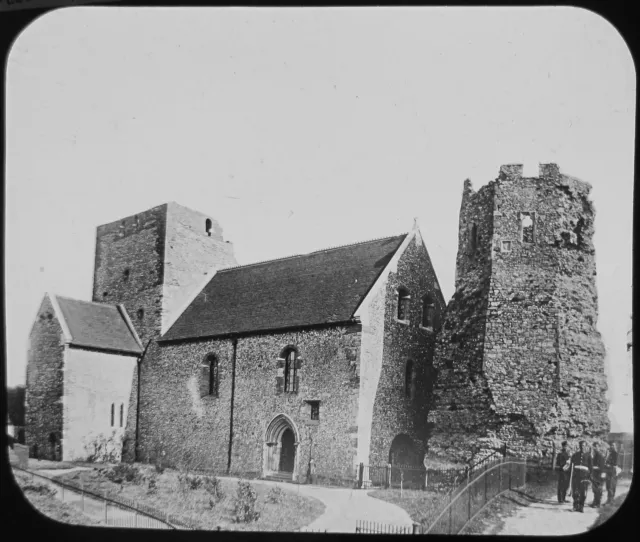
322,287
97,325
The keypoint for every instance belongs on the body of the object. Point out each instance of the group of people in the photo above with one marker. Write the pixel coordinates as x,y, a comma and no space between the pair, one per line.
583,468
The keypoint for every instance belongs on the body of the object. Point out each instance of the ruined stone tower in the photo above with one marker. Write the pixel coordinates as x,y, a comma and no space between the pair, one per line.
153,261
519,358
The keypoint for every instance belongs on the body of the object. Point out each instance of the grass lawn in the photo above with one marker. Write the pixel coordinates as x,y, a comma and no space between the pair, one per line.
43,500
291,513
422,506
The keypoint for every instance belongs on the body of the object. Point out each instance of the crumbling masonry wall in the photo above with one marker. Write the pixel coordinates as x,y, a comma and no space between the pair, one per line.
519,359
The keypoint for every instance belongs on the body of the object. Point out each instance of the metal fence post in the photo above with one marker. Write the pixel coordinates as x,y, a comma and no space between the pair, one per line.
82,493
469,492
105,507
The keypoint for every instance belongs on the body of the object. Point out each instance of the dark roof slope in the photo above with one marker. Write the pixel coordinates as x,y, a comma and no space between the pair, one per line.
96,325
317,288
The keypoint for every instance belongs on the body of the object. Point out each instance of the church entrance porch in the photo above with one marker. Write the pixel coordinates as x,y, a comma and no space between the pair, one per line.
280,449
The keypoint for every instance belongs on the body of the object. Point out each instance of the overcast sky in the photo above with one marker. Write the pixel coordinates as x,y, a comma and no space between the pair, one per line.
299,129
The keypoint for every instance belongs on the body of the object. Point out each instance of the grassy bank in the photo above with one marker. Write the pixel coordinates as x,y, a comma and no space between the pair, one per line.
43,498
422,506
278,511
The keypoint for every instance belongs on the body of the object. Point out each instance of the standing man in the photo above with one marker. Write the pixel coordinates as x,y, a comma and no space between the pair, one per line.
611,469
598,475
563,464
581,465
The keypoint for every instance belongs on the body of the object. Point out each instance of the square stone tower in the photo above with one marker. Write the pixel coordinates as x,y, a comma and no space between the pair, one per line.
519,359
153,261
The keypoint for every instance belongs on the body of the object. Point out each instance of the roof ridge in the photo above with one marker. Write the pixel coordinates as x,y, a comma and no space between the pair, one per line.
230,268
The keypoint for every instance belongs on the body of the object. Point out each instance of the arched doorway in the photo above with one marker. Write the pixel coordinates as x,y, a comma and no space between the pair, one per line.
281,446
287,451
403,452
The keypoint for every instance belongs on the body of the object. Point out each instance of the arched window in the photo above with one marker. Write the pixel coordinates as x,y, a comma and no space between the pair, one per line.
121,414
125,274
428,311
207,226
527,227
409,380
210,377
140,314
403,304
290,371
113,414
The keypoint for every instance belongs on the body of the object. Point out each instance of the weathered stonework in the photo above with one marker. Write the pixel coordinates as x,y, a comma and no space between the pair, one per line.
519,359
356,372
44,385
153,261
394,413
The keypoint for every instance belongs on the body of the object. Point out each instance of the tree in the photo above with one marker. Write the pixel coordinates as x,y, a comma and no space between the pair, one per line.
16,405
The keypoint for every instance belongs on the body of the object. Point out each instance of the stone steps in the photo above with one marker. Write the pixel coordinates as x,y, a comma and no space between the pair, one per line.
280,477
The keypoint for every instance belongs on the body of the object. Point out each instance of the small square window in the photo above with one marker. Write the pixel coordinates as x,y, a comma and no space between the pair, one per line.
506,246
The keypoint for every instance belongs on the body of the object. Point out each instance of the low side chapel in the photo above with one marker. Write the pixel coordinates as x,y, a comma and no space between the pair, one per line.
253,369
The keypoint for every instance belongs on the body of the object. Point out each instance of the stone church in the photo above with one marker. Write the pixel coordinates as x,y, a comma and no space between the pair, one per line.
345,356
252,369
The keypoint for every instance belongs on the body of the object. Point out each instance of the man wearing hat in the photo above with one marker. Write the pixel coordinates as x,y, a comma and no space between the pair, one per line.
612,470
598,475
563,464
581,469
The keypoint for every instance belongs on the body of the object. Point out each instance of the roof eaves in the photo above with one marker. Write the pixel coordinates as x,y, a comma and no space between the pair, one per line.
93,347
60,315
262,331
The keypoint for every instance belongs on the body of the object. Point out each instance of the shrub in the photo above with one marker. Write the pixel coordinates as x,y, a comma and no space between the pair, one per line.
32,486
189,481
244,506
104,449
124,472
275,495
152,483
212,485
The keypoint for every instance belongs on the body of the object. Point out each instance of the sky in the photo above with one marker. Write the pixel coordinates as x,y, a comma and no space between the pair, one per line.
301,129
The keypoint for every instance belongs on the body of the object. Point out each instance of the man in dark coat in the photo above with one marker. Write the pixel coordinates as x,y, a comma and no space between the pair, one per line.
598,475
611,469
581,470
563,465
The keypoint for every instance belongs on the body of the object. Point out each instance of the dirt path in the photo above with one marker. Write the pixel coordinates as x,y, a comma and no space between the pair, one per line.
344,507
549,518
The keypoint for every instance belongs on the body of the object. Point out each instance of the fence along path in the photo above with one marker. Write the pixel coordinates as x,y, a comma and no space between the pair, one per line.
495,478
112,512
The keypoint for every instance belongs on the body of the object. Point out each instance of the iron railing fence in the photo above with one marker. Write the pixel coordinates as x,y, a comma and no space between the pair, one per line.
371,527
114,509
406,477
492,479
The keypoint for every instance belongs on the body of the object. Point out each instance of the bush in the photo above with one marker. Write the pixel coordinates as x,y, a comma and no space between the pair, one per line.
152,484
124,472
275,495
244,506
212,485
32,486
190,481
104,449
